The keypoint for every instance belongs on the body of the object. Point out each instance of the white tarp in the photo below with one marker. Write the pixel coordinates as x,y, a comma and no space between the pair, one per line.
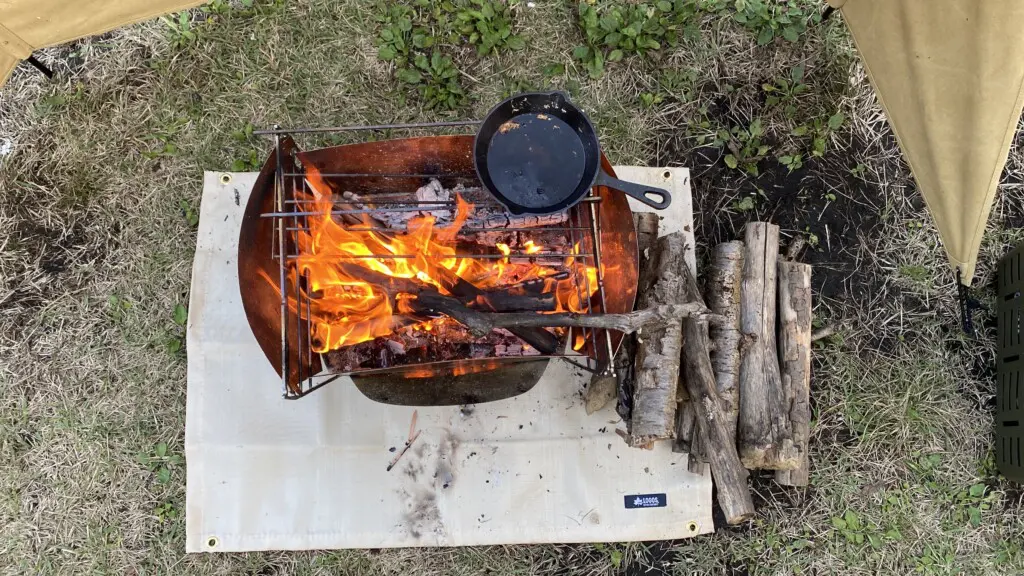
268,473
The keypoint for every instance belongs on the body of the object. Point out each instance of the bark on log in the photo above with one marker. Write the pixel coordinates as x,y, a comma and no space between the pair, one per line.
657,359
480,323
724,299
699,379
795,362
686,422
646,224
603,389
763,432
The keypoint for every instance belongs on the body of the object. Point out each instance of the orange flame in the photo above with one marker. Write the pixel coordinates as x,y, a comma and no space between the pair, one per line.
345,309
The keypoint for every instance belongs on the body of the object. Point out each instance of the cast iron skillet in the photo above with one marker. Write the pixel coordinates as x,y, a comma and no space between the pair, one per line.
537,153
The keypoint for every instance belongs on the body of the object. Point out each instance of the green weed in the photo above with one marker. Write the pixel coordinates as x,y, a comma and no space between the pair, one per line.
791,161
818,130
166,512
745,204
179,29
784,91
612,32
436,79
160,462
189,212
487,25
744,146
769,19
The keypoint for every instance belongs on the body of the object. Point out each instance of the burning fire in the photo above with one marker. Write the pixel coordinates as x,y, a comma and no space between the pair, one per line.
335,260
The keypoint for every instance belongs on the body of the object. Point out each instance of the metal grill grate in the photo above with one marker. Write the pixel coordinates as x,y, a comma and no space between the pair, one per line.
581,228
1010,367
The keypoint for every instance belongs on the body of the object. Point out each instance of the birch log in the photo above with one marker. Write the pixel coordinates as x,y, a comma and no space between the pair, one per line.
763,429
795,362
604,388
699,379
724,299
657,359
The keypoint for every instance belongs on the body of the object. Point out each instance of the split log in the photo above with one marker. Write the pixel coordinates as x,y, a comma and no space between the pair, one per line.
723,298
699,379
657,359
763,430
795,362
646,224
604,387
697,459
688,440
686,422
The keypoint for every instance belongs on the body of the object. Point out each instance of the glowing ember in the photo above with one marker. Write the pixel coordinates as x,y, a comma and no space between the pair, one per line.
346,309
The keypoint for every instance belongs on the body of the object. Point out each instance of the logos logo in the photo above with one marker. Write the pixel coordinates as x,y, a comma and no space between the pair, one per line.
646,501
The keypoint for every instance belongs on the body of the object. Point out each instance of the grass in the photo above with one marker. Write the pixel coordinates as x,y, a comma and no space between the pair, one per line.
98,201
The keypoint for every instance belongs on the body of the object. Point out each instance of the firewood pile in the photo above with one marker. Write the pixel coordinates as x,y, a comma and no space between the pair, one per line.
729,388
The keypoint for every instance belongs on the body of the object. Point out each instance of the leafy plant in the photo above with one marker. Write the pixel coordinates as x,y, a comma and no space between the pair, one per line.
436,79
166,512
612,32
678,84
785,91
969,504
180,30
791,161
812,238
180,314
406,38
191,216
160,462
769,19
398,35
249,163
487,24
651,99
745,204
117,307
744,146
819,130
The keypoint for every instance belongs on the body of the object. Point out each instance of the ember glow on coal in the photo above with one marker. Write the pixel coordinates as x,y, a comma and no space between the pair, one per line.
337,253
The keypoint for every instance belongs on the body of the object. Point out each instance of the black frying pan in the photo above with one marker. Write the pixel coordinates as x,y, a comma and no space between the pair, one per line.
537,153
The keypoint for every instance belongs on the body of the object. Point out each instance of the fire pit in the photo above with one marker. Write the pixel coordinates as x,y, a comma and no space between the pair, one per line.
372,260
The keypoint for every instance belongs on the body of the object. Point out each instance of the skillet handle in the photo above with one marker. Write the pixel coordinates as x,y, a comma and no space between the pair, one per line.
656,198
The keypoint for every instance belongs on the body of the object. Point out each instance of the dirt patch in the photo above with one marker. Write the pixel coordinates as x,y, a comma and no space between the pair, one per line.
824,201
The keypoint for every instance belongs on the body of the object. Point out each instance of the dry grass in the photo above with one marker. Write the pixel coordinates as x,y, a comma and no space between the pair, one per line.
106,167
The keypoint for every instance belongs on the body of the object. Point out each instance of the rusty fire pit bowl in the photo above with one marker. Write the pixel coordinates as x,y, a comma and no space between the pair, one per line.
449,159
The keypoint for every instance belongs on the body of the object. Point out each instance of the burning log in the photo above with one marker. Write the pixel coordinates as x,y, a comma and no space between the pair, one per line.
657,358
763,429
435,201
795,362
545,342
712,429
505,301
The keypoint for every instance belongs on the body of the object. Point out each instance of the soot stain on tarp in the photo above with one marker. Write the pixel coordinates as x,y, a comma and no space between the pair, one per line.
429,471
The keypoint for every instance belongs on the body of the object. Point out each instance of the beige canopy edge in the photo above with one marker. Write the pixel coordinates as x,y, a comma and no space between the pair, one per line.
950,76
27,25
